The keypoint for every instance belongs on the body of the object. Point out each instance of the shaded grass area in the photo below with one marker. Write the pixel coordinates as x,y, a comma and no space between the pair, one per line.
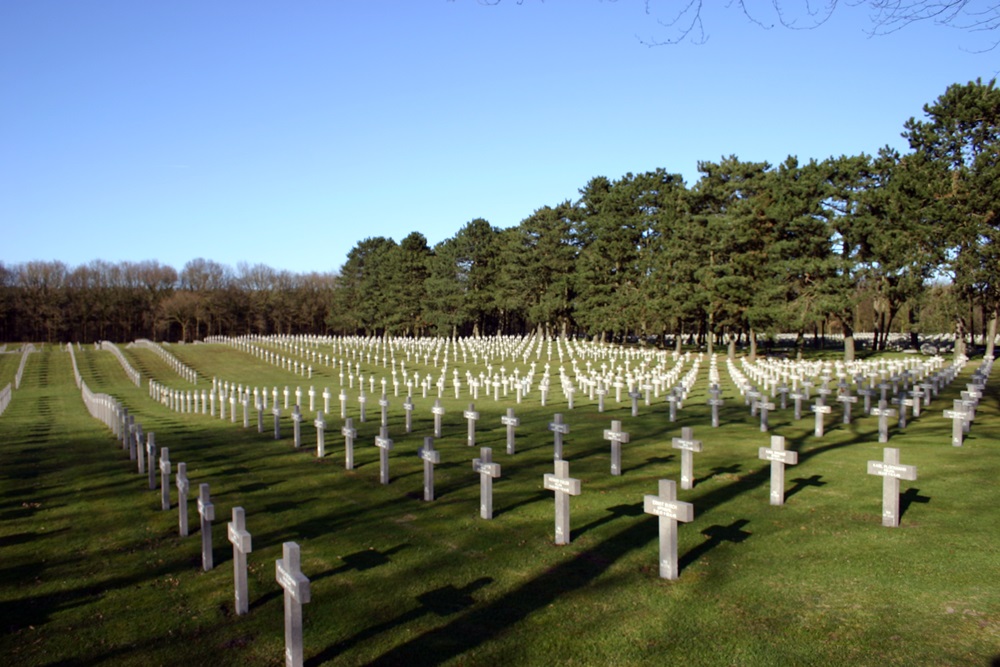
94,573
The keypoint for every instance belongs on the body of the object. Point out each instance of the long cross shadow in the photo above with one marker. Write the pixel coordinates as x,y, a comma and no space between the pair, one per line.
616,512
362,560
445,601
911,496
653,460
716,535
801,483
480,624
720,470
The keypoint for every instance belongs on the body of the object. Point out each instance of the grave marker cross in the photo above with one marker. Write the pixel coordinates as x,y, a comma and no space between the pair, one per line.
564,487
487,470
779,458
688,445
616,436
242,545
288,574
891,471
670,511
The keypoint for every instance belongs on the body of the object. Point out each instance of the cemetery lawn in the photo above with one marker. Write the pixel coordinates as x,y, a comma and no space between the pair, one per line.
92,572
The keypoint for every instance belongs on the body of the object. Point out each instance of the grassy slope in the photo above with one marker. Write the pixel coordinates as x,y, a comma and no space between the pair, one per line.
94,573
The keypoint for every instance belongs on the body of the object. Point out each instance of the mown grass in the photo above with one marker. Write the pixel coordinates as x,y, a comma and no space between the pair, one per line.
94,573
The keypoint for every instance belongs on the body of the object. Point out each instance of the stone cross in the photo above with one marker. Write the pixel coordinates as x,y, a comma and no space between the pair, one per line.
242,545
820,409
430,457
847,400
343,403
867,393
511,422
891,471
564,487
765,407
349,433
383,404
183,487
320,425
616,436
408,408
673,400
716,402
883,413
958,414
688,445
326,400
384,445
165,478
362,403
296,426
438,412
471,415
140,450
670,511
260,416
151,457
601,393
276,412
635,396
312,399
779,458
246,410
207,511
559,429
797,397
487,470
288,574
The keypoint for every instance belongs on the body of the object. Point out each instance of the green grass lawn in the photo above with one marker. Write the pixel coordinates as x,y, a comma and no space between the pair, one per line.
93,572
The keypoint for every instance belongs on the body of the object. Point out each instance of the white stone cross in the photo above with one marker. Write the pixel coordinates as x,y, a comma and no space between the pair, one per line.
511,422
487,470
430,457
384,445
242,545
472,416
165,469
958,414
383,404
296,426
883,413
320,425
288,574
408,409
207,511
349,433
820,409
616,436
438,412
151,458
276,413
564,487
688,445
559,429
779,458
183,487
670,511
891,471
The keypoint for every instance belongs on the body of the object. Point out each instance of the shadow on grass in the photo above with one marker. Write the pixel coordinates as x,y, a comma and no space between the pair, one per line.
801,483
716,535
445,601
911,496
362,560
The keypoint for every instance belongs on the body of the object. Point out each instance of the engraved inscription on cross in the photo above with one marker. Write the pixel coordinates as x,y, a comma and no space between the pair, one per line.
511,422
242,545
670,510
559,429
779,458
564,487
288,574
487,470
891,471
616,436
688,445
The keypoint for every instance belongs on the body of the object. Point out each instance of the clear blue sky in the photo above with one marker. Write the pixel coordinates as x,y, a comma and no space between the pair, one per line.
285,132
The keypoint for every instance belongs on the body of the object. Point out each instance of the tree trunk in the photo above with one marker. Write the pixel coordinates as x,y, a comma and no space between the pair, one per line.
752,337
848,342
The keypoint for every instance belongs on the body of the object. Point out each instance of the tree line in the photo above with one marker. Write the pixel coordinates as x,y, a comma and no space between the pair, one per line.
885,242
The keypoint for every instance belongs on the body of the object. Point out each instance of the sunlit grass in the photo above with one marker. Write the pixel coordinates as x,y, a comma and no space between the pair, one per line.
94,572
